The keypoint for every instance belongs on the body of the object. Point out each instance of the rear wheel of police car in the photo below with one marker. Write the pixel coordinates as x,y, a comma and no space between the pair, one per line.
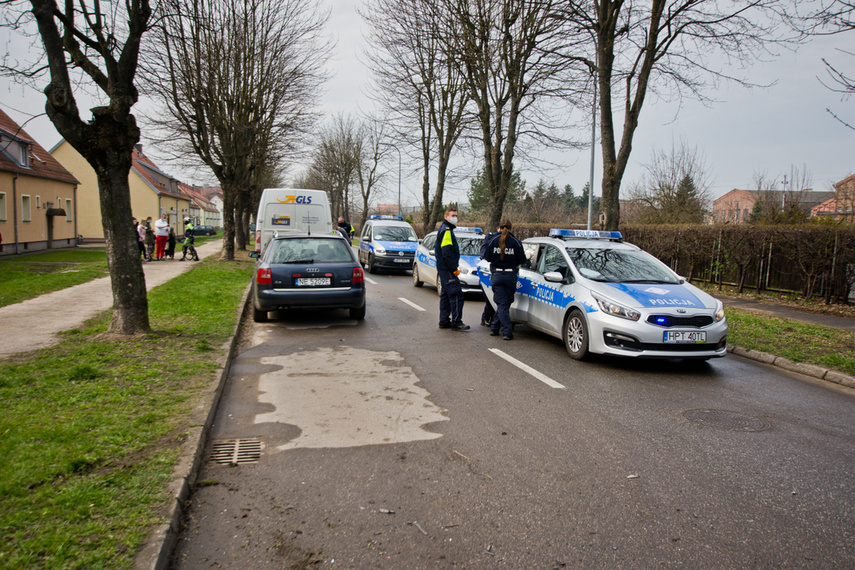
417,282
438,285
576,335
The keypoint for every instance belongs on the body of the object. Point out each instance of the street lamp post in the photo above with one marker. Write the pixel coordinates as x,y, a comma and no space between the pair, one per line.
593,146
399,180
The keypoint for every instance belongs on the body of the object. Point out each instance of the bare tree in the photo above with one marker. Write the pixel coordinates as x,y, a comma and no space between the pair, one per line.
336,161
419,87
782,205
510,53
238,80
832,17
671,48
86,47
675,188
373,148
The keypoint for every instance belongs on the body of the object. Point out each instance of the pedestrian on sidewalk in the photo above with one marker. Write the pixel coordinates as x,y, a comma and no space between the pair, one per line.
149,240
140,231
170,243
161,235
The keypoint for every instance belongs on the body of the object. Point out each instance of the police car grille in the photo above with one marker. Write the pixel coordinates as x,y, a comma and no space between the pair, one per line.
672,321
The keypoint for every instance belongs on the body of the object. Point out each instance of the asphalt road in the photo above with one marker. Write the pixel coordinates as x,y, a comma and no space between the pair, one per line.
391,444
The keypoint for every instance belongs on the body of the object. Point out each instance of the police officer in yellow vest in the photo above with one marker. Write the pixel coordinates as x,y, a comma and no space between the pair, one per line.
447,269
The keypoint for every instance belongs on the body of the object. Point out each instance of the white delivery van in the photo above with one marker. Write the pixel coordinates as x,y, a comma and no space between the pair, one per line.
291,210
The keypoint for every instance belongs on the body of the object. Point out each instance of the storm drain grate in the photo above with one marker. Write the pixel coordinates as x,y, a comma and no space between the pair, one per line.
726,420
236,451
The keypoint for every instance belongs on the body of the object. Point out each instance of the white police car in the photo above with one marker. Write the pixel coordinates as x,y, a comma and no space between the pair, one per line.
602,295
469,240
387,242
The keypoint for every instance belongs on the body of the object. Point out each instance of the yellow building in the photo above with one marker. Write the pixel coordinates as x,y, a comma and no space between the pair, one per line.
153,192
38,202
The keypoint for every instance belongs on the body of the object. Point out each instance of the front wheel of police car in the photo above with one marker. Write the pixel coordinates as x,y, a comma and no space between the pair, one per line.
417,281
576,335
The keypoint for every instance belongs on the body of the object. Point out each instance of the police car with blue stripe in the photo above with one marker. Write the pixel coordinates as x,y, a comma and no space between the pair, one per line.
469,239
387,242
602,295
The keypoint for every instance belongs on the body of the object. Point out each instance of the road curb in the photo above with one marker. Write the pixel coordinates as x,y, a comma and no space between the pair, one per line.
799,367
160,543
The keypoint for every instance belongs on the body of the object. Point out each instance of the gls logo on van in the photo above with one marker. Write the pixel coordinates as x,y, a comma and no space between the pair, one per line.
294,199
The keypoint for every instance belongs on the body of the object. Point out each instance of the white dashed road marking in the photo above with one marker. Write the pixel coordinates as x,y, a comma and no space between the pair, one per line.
526,368
410,303
371,281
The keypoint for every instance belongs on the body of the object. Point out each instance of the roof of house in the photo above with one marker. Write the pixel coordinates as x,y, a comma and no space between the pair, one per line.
42,164
806,197
196,195
146,169
845,181
829,205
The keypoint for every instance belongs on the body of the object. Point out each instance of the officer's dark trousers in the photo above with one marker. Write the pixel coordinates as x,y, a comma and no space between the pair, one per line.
450,299
504,286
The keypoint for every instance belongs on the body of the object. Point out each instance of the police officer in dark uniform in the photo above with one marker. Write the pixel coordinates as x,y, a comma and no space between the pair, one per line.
447,269
488,312
505,255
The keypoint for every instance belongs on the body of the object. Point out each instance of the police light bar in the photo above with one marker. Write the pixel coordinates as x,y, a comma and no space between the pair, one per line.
587,234
468,229
385,217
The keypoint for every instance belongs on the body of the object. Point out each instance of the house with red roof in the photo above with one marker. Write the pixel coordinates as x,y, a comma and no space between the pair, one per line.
153,192
202,210
38,197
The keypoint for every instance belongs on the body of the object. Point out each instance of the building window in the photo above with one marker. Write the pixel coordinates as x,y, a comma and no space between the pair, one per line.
2,206
26,215
68,216
38,202
745,214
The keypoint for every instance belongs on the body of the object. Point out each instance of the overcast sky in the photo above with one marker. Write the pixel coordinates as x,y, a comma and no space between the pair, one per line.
747,132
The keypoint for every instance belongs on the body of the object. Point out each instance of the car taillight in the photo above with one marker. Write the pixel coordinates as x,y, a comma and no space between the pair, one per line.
358,275
258,241
264,277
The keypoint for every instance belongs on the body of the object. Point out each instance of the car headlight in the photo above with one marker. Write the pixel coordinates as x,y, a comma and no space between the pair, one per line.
719,311
611,308
379,250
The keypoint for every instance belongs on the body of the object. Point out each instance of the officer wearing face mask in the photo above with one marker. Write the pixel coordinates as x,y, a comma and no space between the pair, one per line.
447,268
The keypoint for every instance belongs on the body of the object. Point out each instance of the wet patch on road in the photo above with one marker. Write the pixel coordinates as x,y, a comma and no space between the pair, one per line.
351,397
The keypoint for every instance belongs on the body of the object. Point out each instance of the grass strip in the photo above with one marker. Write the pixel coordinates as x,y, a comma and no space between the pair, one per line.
29,276
92,427
800,342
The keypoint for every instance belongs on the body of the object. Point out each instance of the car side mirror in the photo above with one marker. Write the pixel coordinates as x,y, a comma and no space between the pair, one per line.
553,276
366,238
255,254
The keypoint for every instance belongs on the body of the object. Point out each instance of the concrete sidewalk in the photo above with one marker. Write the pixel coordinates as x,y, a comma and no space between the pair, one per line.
35,323
843,323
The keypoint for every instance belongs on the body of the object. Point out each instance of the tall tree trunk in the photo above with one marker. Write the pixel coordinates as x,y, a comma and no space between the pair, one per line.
130,303
229,203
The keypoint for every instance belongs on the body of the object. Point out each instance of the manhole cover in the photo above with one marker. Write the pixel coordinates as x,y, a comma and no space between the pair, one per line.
236,451
725,420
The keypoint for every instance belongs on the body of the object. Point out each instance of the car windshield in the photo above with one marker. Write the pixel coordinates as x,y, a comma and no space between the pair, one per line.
619,266
310,250
470,245
395,233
